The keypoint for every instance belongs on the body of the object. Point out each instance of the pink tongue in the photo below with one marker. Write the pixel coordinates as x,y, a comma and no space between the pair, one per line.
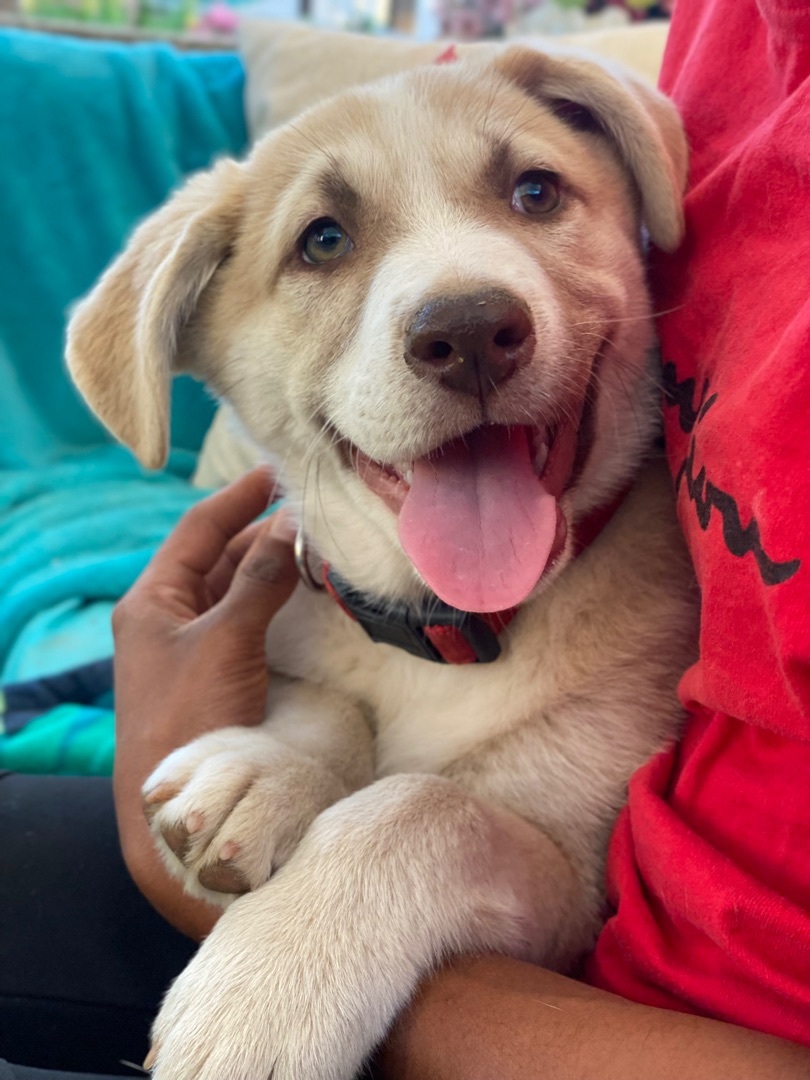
477,523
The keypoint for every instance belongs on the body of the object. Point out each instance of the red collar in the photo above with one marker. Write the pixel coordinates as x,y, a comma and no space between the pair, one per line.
438,632
442,633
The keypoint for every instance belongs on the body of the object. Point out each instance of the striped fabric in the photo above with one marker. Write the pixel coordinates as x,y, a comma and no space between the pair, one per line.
61,724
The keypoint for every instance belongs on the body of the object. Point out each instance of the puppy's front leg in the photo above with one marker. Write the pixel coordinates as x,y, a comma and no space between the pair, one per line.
301,979
229,809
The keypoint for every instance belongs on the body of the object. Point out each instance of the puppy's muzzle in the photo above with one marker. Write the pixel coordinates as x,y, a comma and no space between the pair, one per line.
471,344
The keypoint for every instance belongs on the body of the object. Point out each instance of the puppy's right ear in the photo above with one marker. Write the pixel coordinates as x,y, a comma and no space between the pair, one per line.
123,338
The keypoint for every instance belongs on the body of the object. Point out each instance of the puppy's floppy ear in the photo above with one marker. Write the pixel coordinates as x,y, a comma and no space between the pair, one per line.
123,338
642,123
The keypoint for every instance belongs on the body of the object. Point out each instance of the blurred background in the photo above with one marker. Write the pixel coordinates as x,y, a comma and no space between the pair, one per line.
200,21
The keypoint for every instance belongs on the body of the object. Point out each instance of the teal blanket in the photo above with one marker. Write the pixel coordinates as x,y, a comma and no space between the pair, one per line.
75,536
93,136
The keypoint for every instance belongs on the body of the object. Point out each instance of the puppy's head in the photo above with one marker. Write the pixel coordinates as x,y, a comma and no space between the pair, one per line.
426,298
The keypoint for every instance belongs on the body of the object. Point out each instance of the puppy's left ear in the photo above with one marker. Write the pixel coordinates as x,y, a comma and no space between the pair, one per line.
643,125
124,338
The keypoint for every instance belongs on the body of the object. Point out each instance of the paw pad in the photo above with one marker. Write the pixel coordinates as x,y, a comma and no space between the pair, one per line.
223,877
177,839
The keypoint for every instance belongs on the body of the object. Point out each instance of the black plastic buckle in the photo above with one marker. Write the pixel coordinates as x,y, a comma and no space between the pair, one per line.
394,623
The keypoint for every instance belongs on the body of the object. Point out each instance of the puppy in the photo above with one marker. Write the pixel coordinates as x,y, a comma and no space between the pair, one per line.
425,298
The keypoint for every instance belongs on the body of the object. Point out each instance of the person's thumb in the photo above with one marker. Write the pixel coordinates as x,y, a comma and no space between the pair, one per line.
265,578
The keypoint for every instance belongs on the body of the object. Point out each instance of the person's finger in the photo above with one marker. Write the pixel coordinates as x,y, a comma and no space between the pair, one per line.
264,579
219,579
203,533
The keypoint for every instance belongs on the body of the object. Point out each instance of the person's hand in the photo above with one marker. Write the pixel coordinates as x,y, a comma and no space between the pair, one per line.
189,657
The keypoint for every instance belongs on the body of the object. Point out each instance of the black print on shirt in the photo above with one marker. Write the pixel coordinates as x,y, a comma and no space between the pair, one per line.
739,539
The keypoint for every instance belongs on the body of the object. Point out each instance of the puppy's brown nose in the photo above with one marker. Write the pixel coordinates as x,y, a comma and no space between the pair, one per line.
471,343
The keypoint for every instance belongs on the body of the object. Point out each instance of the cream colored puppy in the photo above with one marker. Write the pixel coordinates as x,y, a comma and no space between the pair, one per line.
426,299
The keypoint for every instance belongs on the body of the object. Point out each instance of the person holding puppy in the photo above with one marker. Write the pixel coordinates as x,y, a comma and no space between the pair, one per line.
708,872
701,969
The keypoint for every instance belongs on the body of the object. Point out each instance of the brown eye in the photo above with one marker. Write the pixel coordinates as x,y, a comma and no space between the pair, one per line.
536,192
323,241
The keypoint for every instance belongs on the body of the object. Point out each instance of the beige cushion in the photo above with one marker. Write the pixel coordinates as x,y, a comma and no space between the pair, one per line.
639,48
291,66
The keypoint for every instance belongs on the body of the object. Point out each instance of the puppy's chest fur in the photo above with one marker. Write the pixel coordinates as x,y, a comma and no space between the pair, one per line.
587,674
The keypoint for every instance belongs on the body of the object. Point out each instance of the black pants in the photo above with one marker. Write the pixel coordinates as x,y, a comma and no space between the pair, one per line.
84,960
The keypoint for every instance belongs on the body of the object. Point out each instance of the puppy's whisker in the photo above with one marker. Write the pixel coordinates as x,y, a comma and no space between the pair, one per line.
324,517
604,382
518,127
312,457
321,149
610,321
308,458
226,389
488,113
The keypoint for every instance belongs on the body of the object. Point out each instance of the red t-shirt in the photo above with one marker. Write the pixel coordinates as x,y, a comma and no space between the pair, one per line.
709,868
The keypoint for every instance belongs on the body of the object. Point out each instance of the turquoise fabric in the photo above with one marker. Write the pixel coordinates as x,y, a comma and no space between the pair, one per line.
69,740
74,537
60,724
93,136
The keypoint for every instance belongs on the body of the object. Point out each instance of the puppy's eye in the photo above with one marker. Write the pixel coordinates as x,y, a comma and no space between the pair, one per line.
323,241
536,192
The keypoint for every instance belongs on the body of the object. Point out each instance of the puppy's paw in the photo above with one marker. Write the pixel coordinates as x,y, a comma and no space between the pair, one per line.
230,808
301,979
266,996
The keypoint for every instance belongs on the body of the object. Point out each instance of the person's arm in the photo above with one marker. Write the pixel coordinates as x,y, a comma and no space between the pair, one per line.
494,1018
189,658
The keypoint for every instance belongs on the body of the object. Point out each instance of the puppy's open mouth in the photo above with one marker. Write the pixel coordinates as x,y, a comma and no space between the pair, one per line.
479,516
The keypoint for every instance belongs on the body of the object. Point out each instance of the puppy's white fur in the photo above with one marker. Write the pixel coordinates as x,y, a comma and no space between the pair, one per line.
392,811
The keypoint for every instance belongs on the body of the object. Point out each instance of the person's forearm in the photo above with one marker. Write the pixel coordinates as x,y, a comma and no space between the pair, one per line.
494,1018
